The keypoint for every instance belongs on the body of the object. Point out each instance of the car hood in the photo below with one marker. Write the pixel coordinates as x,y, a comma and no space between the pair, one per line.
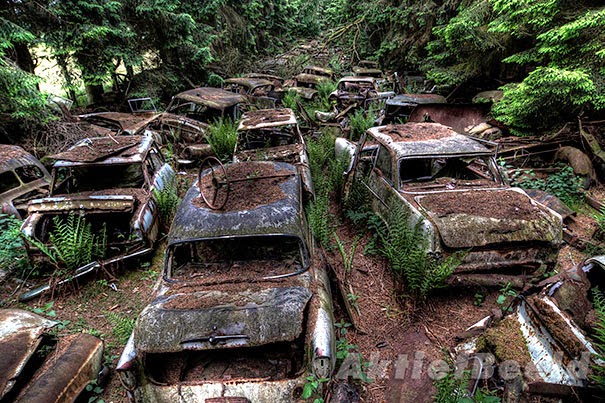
213,319
510,217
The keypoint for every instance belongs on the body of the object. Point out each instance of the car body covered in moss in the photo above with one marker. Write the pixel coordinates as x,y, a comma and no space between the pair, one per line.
451,189
243,308
111,183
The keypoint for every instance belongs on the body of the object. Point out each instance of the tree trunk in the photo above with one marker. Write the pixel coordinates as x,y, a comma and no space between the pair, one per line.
69,82
94,93
23,57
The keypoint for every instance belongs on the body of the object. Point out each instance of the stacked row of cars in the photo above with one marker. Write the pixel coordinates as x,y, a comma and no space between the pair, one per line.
243,310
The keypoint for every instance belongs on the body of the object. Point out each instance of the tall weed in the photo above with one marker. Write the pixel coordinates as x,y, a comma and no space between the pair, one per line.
222,136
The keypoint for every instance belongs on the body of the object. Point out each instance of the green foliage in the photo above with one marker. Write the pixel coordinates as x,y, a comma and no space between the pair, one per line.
121,326
320,219
327,175
324,89
168,200
454,388
347,258
360,121
599,336
564,184
600,219
544,96
312,388
222,136
13,255
464,48
46,310
72,242
506,292
19,95
406,250
290,100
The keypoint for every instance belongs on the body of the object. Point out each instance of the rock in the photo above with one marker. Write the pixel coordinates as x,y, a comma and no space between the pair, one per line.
477,129
579,161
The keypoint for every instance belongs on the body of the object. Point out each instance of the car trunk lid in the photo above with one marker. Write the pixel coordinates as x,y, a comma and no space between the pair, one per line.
213,319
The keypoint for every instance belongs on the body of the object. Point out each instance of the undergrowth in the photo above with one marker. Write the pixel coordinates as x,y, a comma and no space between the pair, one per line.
360,121
328,179
563,184
404,246
168,200
121,326
222,136
13,256
72,243
599,337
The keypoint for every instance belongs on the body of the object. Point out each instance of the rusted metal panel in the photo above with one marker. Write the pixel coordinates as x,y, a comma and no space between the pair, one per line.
67,372
426,139
31,178
105,150
20,336
82,202
288,390
129,123
249,83
265,118
458,117
305,92
215,98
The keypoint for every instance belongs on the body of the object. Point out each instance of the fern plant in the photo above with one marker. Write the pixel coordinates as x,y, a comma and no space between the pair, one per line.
168,200
222,136
72,243
360,121
121,326
599,336
406,250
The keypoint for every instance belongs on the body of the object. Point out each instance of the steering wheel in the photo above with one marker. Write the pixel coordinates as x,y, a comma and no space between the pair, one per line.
216,195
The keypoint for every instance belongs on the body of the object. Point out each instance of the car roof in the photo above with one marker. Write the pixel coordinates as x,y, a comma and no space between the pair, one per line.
215,98
357,79
413,99
267,118
320,70
282,215
427,139
12,157
248,82
105,150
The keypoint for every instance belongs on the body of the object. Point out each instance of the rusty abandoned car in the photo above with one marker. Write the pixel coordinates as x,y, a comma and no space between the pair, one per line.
29,372
243,309
273,135
358,92
188,116
112,184
451,188
22,178
258,91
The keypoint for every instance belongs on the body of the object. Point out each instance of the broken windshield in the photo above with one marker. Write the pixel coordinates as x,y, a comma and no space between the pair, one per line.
444,170
235,258
86,178
267,138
